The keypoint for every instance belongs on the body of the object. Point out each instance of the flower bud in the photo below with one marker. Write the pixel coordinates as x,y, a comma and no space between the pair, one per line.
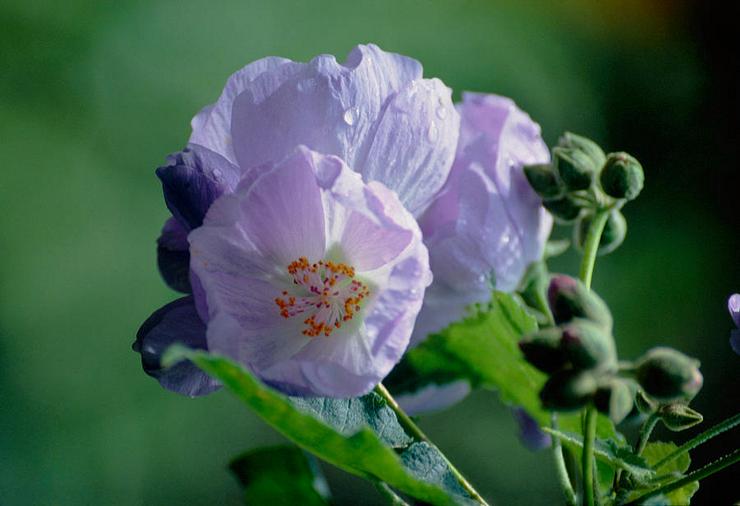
569,298
614,398
575,168
544,181
564,210
568,390
612,237
678,416
668,375
587,345
542,349
644,403
587,146
622,176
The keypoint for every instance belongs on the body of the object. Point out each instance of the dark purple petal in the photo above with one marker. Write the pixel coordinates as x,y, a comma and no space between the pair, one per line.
176,323
173,256
530,433
735,341
192,180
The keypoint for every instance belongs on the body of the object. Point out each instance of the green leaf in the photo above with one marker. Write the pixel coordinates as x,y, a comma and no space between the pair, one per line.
609,451
280,475
347,416
653,454
426,463
362,453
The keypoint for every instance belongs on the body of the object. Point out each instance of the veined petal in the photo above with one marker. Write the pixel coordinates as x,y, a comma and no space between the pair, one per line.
175,323
173,257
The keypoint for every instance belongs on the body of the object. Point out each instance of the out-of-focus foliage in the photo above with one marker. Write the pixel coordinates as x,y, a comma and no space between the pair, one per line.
93,95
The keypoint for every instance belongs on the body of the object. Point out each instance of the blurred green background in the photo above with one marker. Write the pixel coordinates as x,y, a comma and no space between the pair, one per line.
94,94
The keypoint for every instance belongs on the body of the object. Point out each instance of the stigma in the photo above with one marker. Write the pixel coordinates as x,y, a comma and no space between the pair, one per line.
326,293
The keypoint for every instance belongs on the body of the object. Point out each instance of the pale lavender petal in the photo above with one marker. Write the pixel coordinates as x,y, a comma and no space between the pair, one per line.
173,257
212,125
374,111
433,398
486,225
175,323
733,305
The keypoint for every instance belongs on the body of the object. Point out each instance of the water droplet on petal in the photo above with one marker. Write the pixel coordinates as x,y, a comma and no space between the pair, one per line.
441,112
306,86
217,173
482,278
432,133
351,115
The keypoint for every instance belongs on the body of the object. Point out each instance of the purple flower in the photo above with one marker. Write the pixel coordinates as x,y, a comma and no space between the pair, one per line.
733,304
433,397
530,433
312,278
487,224
374,111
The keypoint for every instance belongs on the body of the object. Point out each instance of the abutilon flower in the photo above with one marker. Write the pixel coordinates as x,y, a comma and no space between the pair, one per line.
733,304
487,224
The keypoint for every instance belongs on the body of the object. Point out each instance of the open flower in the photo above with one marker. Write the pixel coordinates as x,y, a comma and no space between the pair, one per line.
733,304
487,224
312,278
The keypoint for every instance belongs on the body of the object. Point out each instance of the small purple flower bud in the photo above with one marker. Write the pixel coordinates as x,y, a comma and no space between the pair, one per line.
587,346
575,168
668,375
542,349
568,390
543,179
678,416
564,209
569,299
622,176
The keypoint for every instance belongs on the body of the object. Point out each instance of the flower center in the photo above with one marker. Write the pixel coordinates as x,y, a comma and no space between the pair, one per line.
327,292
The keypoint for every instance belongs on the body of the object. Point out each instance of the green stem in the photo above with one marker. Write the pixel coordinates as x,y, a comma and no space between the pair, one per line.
544,307
700,439
591,246
646,431
587,458
697,475
413,430
392,498
561,468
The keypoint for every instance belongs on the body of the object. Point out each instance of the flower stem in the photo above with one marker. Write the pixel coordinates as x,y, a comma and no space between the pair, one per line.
392,498
697,475
413,430
700,439
645,431
561,468
591,246
587,458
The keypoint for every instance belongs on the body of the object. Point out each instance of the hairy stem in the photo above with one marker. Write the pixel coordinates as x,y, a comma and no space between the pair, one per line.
645,431
392,498
700,439
697,475
587,458
413,430
591,246
561,468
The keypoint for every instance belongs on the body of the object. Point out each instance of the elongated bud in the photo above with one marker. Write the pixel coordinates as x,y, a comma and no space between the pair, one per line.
563,209
586,145
678,416
622,176
612,237
614,399
568,390
587,345
644,403
569,299
543,179
575,168
542,349
668,375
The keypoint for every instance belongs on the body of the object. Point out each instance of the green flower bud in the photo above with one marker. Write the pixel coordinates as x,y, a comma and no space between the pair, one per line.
568,390
575,168
614,398
564,210
612,237
587,146
569,298
622,176
679,416
644,403
543,179
542,350
587,345
668,375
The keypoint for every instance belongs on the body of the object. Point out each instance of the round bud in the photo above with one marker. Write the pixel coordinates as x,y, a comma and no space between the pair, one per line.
678,416
542,349
543,180
668,375
612,237
568,390
575,168
569,298
586,345
587,146
614,398
622,176
564,210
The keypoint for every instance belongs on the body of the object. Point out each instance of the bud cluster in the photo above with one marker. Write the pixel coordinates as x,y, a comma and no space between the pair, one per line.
578,353
582,180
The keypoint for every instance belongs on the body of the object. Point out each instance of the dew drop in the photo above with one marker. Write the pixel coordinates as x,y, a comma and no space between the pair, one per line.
350,115
432,133
306,86
217,173
441,112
